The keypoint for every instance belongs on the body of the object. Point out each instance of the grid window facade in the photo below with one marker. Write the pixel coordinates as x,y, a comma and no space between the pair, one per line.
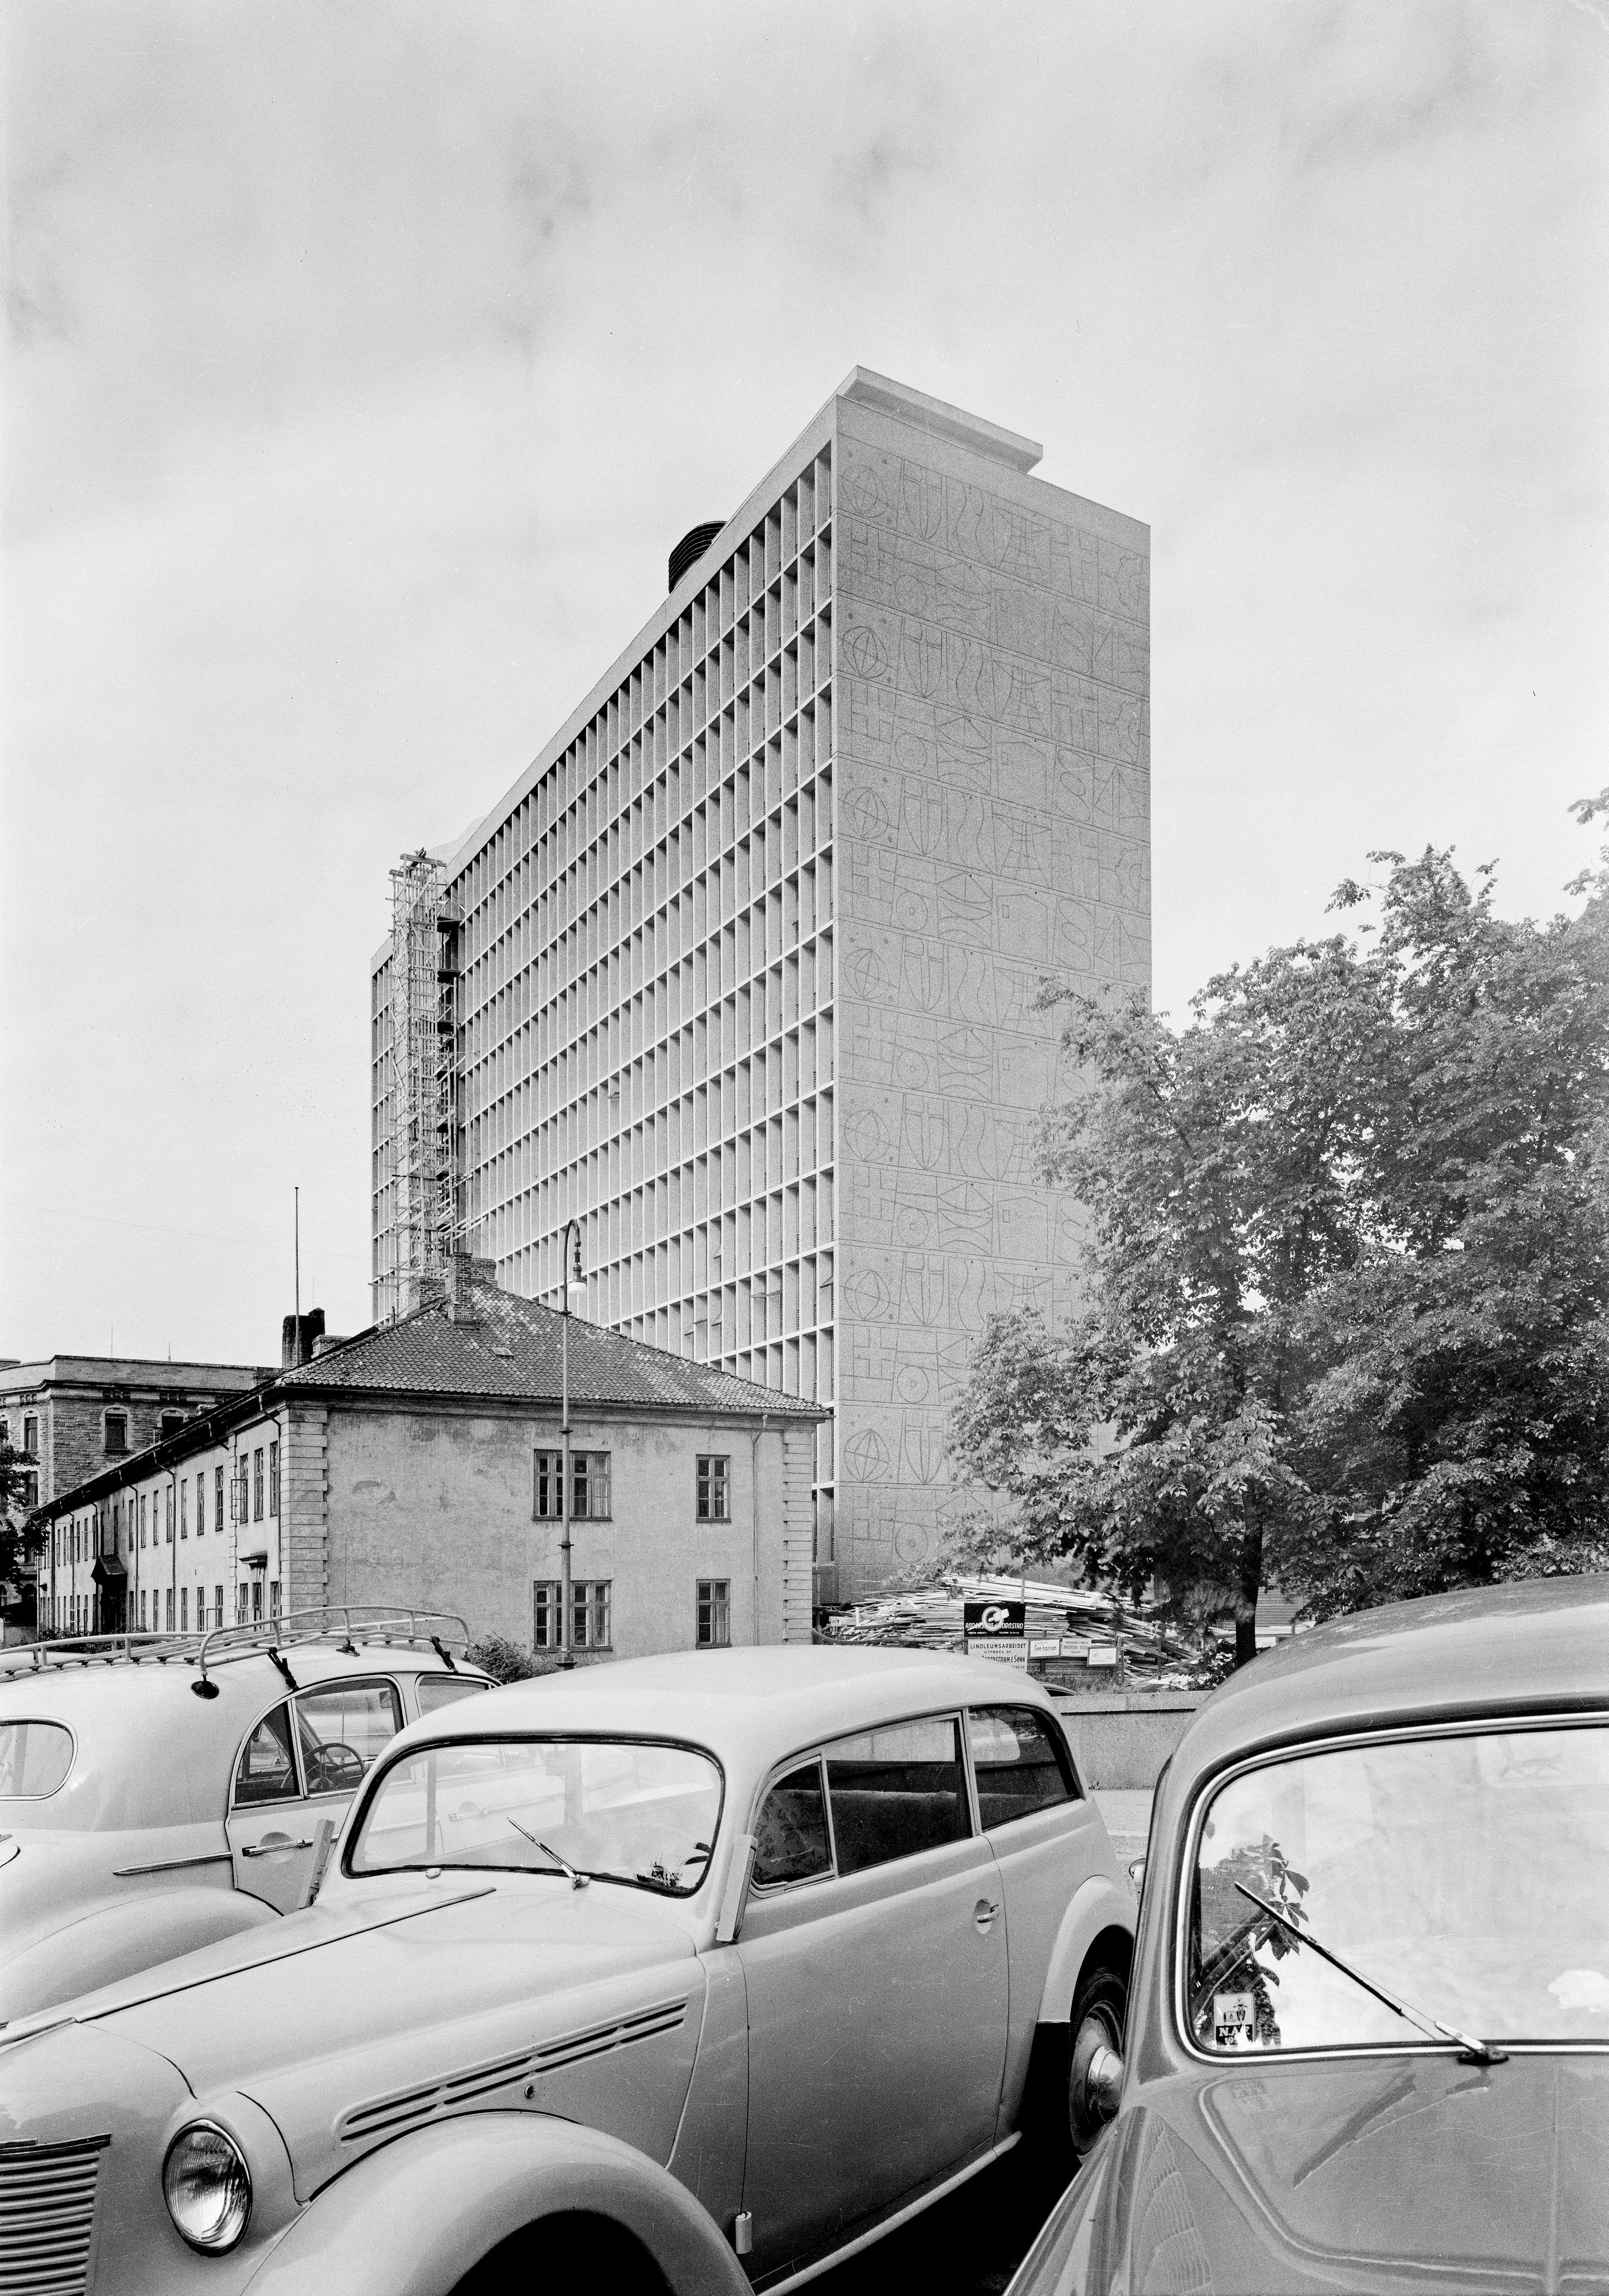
714,1488
645,1016
714,1613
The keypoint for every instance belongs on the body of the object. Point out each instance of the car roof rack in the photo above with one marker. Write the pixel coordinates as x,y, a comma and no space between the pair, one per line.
344,1623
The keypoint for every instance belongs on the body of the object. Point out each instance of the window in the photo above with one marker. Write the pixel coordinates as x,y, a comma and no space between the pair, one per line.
6,1433
267,1768
257,1484
590,1621
184,1610
117,1434
239,1510
897,1790
273,1598
791,1833
435,1691
590,1493
170,1424
167,1606
273,1480
142,1518
240,1603
1018,1762
714,1613
218,1504
144,1627
168,1512
217,1606
341,1729
714,1482
200,1505
184,1509
257,1601
30,1435
35,1757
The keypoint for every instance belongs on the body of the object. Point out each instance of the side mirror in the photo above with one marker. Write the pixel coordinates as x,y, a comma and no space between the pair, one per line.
1137,1876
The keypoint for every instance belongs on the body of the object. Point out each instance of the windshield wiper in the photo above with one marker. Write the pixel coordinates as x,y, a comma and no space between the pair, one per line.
1469,2050
577,1881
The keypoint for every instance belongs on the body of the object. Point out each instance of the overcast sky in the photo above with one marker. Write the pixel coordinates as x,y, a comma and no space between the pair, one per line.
364,361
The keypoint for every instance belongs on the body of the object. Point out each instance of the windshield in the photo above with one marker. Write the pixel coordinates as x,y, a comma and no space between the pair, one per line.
616,1809
1466,1874
34,1757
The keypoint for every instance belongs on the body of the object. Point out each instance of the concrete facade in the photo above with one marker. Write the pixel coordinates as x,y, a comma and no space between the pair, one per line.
751,955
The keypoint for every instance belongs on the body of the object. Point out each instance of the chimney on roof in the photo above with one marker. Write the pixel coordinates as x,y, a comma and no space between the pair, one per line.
326,1341
298,1347
464,1271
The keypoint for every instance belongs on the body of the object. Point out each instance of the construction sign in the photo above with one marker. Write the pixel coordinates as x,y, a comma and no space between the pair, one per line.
997,1630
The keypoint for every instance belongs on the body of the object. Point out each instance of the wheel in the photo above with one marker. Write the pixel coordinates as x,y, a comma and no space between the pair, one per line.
1096,2023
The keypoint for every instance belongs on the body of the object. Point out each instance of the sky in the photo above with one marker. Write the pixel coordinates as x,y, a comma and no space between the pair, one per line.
363,362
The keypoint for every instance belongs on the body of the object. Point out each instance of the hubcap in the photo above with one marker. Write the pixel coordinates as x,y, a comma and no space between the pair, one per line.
1098,2034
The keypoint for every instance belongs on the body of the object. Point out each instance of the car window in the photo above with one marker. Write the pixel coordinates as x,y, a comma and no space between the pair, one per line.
267,1767
34,1757
435,1691
342,1728
1019,1764
897,1790
791,1833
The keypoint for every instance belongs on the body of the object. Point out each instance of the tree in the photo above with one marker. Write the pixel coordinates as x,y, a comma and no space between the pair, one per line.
20,1537
1346,1322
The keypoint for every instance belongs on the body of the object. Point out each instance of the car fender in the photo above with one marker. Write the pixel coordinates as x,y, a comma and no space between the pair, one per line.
119,1937
1097,1904
412,2218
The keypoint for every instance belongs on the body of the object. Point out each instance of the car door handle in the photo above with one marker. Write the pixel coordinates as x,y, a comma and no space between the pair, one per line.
983,1915
273,1845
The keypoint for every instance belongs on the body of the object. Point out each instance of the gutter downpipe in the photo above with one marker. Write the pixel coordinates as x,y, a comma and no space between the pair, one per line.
754,1444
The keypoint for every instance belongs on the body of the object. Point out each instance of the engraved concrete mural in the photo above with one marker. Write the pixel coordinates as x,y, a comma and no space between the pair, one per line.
992,756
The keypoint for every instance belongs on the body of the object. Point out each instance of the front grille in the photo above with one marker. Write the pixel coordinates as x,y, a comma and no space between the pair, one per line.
47,2213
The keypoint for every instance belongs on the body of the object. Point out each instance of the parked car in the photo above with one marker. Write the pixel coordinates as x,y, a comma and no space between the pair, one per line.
1368,2034
650,1968
159,1793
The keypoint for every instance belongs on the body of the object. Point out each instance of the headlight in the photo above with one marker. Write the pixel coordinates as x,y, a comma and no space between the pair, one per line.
208,2187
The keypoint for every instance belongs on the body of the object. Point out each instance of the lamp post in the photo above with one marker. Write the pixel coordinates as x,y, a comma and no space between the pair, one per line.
574,1281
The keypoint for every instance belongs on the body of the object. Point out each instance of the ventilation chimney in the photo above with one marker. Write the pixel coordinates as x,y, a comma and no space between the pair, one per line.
297,1347
692,547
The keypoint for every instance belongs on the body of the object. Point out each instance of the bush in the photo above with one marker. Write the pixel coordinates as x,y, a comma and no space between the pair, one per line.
504,1660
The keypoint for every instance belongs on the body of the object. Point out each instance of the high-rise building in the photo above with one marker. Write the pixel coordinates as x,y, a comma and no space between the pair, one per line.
743,974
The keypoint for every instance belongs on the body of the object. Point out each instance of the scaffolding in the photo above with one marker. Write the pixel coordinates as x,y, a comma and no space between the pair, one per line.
424,977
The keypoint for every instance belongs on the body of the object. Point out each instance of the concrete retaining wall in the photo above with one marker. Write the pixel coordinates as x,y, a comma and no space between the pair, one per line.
1120,1739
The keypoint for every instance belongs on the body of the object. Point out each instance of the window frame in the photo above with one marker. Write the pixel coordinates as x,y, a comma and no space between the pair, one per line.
336,1683
712,1478
117,1450
816,1749
768,1892
1052,1727
712,1603
554,1472
1499,1720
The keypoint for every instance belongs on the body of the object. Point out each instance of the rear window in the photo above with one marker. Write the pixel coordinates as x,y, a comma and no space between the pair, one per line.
1019,1764
896,1791
35,1757
438,1690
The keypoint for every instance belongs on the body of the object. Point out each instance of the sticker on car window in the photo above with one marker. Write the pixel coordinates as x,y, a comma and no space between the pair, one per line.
1234,2015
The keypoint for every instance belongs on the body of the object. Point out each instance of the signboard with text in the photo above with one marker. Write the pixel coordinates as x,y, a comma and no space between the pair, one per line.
997,1630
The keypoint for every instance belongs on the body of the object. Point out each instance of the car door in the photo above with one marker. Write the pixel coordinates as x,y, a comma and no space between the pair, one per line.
269,1827
874,1960
1046,1840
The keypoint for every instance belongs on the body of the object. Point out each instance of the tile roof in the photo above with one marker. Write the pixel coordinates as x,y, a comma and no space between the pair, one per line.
512,1349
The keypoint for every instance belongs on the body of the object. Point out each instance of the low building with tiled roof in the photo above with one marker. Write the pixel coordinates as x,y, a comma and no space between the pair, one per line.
420,1462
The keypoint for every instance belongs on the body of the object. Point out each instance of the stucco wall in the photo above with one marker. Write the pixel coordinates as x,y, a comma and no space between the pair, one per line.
435,1510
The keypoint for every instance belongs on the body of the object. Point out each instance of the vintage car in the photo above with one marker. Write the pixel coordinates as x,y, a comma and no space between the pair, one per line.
687,1971
1368,2031
159,1793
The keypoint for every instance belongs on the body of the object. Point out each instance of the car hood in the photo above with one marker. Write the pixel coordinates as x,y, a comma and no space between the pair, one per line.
350,2025
1366,2176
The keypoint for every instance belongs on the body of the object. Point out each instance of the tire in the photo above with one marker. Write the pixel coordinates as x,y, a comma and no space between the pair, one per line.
566,2251
1099,2007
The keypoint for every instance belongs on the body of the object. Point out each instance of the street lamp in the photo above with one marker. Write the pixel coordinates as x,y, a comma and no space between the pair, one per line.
570,1258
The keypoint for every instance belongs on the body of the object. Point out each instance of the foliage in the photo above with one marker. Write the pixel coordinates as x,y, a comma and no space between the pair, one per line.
20,1535
504,1660
1347,1315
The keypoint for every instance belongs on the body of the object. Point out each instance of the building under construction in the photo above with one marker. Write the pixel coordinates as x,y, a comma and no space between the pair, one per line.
414,1175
